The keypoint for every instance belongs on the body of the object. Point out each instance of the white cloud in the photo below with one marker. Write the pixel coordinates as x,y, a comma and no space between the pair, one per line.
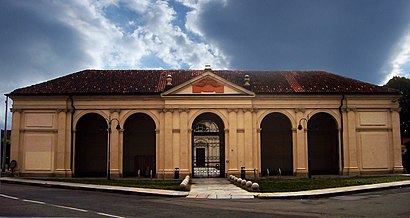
399,65
111,47
65,36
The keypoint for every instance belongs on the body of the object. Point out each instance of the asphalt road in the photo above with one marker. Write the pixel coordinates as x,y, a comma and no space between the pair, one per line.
25,200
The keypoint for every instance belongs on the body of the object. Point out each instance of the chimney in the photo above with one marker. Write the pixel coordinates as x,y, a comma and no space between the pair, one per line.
247,81
208,67
169,80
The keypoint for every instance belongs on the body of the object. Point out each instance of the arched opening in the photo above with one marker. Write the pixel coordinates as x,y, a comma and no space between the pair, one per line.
139,148
208,147
91,146
276,145
323,145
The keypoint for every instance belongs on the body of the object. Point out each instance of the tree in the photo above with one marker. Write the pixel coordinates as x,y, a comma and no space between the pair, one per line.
402,84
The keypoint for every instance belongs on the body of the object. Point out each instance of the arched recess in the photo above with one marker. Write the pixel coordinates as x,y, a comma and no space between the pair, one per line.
90,159
323,144
276,145
208,146
139,147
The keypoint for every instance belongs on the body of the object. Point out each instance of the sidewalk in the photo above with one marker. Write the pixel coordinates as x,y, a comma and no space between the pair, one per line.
106,188
333,191
212,189
217,188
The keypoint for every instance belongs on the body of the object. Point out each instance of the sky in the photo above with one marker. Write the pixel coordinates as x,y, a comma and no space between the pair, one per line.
367,40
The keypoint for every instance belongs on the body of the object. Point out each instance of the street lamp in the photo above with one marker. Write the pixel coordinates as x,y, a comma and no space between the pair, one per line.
300,127
109,121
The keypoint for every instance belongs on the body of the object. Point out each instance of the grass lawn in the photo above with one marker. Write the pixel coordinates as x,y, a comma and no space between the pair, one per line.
293,184
140,183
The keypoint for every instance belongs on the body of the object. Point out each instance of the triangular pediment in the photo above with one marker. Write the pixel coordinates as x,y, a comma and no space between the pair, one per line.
208,84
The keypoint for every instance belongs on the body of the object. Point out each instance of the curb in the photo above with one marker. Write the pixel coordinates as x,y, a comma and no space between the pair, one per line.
330,192
103,188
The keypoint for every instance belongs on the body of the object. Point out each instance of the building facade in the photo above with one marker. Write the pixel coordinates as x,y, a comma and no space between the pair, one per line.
205,123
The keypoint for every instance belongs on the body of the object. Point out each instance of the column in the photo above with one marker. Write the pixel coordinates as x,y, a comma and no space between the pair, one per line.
248,140
68,148
168,149
16,152
232,146
240,133
301,145
350,148
397,158
115,159
161,144
175,139
184,144
256,142
60,151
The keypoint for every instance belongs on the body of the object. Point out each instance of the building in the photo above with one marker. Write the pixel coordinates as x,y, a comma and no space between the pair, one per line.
207,123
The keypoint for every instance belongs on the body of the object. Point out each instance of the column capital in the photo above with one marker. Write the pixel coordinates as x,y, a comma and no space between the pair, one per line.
183,110
114,110
60,110
300,110
248,110
233,110
164,110
16,110
395,110
351,109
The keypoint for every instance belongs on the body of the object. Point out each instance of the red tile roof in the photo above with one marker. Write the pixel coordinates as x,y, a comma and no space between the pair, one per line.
146,82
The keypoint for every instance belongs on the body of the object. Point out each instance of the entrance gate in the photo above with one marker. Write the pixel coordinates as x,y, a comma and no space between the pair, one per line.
207,147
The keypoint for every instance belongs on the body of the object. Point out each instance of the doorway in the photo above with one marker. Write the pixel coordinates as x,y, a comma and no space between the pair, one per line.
208,147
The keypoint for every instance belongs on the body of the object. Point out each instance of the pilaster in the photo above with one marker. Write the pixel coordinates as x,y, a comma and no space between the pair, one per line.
115,144
168,142
16,149
240,135
255,141
248,121
396,140
184,144
301,145
175,139
68,148
350,147
232,146
60,150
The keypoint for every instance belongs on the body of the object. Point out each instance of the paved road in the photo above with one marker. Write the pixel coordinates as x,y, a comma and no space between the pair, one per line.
23,200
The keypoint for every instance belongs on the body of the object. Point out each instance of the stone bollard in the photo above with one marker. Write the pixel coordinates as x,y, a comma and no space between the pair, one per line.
239,181
249,184
255,186
243,182
184,182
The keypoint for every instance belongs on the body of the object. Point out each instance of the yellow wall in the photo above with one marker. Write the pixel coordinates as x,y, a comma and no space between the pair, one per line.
41,132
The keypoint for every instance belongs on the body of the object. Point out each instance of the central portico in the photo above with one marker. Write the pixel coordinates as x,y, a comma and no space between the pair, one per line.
205,103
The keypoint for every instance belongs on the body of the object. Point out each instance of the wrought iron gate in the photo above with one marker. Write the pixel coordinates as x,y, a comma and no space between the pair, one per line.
206,150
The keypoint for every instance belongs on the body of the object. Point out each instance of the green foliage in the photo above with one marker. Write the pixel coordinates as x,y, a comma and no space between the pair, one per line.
291,185
402,84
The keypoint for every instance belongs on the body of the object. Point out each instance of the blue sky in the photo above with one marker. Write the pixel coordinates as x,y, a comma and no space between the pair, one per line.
368,40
